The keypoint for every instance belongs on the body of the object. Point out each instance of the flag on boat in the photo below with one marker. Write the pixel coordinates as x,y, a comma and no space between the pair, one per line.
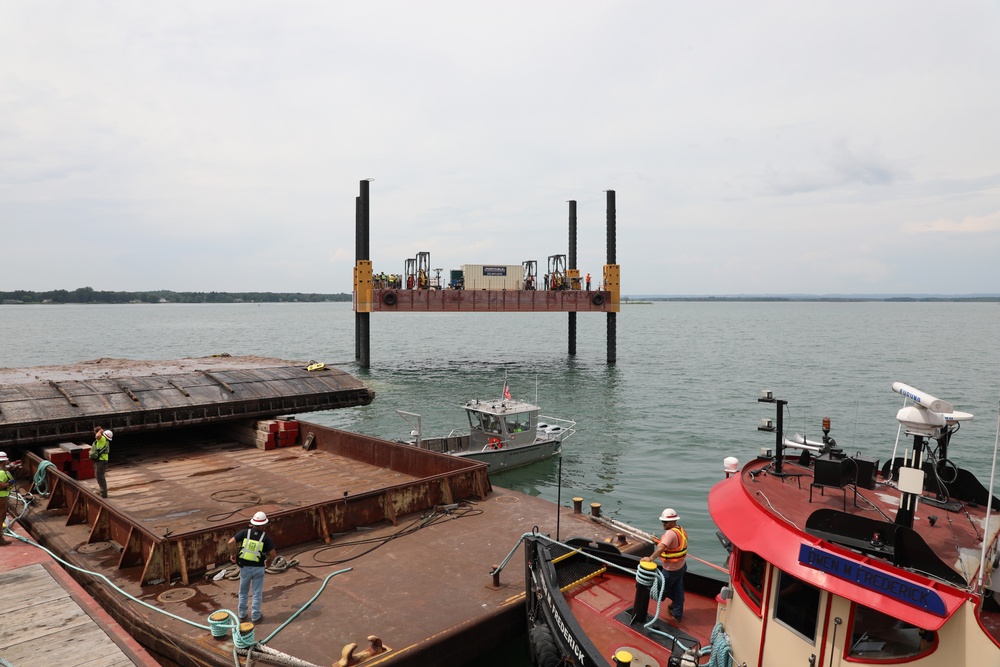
506,390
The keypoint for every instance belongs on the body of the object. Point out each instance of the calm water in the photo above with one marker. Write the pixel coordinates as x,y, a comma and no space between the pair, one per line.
652,429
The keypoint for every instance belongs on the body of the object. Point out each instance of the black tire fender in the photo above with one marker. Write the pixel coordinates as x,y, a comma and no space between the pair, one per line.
543,648
597,299
389,298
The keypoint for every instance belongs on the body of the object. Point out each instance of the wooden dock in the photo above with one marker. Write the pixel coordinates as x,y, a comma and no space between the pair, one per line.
48,620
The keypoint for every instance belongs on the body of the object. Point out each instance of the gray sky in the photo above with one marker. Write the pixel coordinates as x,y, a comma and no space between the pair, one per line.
755,147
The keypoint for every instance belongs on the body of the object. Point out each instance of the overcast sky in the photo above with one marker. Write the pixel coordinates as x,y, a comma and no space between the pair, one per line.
754,147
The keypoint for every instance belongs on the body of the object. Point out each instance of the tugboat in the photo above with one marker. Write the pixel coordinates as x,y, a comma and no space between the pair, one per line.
832,561
503,433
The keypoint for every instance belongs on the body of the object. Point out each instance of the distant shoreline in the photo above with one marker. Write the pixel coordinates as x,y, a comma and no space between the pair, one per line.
87,295
829,299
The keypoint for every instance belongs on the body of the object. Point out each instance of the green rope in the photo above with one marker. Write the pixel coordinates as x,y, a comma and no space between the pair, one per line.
303,608
41,483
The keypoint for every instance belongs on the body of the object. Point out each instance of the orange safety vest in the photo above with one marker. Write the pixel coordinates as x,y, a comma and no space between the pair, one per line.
682,548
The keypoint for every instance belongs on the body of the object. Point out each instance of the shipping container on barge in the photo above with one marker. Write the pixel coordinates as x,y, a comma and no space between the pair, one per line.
387,547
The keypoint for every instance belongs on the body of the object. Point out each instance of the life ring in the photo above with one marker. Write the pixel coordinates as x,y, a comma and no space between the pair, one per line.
494,443
597,299
389,298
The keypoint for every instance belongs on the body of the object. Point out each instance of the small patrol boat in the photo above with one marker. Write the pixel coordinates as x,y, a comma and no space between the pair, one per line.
503,433
832,560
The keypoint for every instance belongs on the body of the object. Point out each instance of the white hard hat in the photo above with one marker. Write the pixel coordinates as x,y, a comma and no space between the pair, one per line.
3,456
108,434
259,519
669,515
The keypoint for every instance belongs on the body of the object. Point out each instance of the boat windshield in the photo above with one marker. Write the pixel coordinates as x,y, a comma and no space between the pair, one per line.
485,422
518,423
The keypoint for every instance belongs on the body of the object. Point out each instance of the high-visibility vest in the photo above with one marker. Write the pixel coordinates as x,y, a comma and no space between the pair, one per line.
682,547
5,477
252,550
103,448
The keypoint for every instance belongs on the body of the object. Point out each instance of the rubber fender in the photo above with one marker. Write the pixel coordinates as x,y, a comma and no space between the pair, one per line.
597,299
544,652
389,298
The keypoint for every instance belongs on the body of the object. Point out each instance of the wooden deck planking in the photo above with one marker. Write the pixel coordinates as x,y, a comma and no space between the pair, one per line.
41,625
15,584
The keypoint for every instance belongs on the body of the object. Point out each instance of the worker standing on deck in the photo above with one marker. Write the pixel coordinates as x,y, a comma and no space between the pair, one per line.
588,281
99,452
672,550
6,484
256,553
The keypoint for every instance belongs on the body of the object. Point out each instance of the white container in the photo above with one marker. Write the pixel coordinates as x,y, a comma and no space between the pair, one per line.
493,276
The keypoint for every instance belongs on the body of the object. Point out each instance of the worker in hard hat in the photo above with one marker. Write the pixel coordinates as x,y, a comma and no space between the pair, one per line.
672,551
256,552
99,452
6,484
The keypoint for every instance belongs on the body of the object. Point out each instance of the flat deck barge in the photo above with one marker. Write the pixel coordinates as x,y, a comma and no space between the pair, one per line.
383,539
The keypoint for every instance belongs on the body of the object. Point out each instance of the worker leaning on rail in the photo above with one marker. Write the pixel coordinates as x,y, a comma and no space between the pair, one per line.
256,551
672,550
6,484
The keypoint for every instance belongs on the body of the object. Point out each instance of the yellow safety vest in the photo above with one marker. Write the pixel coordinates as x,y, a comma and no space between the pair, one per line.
252,550
103,448
5,477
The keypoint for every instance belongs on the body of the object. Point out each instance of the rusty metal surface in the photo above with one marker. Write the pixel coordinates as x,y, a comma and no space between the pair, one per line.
50,404
176,497
421,532
528,301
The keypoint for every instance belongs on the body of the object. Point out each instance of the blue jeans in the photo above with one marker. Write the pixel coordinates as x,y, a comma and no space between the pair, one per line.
251,576
673,588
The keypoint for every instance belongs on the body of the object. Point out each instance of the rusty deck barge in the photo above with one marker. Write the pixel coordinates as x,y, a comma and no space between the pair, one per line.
419,532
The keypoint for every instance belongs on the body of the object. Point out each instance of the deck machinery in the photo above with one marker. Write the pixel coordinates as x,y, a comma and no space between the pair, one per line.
563,294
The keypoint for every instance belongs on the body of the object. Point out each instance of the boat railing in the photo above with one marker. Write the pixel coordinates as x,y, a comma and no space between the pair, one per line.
554,428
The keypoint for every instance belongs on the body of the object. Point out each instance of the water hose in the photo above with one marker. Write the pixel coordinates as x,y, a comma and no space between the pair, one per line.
40,481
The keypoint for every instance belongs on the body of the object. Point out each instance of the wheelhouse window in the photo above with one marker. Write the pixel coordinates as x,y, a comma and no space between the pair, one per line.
878,636
750,582
518,422
485,422
797,605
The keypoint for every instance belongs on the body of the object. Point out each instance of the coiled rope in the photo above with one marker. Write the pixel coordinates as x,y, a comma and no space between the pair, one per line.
40,480
721,651
656,581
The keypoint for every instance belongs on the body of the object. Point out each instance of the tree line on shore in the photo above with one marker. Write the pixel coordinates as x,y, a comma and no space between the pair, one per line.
90,295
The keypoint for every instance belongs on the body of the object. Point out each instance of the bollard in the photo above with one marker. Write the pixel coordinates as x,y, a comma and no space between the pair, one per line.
595,510
219,625
640,605
577,505
623,658
621,539
496,576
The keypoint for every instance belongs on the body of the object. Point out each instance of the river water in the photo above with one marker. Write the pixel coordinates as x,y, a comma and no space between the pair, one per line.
652,429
